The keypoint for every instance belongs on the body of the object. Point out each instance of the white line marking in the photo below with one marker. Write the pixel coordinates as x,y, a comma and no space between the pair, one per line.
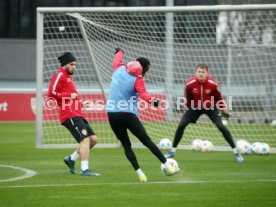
135,183
28,173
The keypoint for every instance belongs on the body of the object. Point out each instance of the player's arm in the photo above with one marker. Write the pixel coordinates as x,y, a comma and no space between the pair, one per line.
118,59
142,92
188,95
222,103
54,90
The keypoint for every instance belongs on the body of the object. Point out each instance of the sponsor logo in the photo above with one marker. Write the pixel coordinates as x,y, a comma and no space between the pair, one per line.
84,132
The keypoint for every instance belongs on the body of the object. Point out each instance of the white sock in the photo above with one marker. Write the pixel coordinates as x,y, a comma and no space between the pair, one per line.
140,172
74,156
84,165
235,151
173,149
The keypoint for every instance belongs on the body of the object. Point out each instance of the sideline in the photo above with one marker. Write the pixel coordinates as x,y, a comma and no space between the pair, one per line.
134,183
28,173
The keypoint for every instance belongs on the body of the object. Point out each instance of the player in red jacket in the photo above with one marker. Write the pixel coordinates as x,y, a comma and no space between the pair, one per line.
203,96
63,89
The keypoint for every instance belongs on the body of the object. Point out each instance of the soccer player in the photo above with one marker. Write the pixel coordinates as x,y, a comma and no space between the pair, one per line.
203,96
127,85
63,89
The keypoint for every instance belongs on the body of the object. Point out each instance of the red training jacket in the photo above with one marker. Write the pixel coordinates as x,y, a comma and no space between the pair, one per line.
207,94
60,88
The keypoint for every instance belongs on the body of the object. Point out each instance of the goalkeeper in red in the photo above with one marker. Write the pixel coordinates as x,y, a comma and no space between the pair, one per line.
63,89
127,85
203,96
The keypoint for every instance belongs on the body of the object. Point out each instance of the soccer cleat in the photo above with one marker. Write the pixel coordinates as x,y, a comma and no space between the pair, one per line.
88,172
169,154
239,158
143,179
70,163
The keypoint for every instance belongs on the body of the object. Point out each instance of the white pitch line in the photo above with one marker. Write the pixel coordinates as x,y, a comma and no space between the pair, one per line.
28,173
133,183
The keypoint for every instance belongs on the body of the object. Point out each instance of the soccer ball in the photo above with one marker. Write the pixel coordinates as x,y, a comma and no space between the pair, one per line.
165,144
255,146
172,163
273,123
206,146
265,150
196,144
262,149
224,122
243,147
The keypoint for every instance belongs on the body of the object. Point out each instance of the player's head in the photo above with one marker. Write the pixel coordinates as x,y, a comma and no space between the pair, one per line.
68,62
145,64
201,72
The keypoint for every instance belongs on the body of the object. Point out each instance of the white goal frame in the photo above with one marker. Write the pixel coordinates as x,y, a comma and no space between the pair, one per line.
40,88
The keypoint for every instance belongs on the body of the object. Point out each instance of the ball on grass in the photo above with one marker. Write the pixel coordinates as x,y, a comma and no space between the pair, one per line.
273,123
165,144
224,122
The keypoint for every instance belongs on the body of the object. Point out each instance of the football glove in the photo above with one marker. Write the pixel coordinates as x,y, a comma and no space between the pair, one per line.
225,114
155,102
118,49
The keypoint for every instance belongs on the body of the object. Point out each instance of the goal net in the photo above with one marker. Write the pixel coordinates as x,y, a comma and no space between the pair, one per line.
237,42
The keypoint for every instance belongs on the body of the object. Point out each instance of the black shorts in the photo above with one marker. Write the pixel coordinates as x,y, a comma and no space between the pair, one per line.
79,128
191,116
121,121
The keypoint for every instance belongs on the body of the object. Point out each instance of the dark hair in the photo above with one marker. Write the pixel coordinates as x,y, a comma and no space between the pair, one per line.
202,65
145,64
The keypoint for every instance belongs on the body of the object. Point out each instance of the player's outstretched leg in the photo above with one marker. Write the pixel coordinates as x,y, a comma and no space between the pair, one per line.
132,158
178,135
117,124
139,131
185,120
228,137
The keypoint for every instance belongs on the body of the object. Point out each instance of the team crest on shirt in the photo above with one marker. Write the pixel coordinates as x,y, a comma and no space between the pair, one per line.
208,91
84,132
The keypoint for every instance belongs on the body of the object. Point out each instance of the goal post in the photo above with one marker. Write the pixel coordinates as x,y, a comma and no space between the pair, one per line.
237,42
